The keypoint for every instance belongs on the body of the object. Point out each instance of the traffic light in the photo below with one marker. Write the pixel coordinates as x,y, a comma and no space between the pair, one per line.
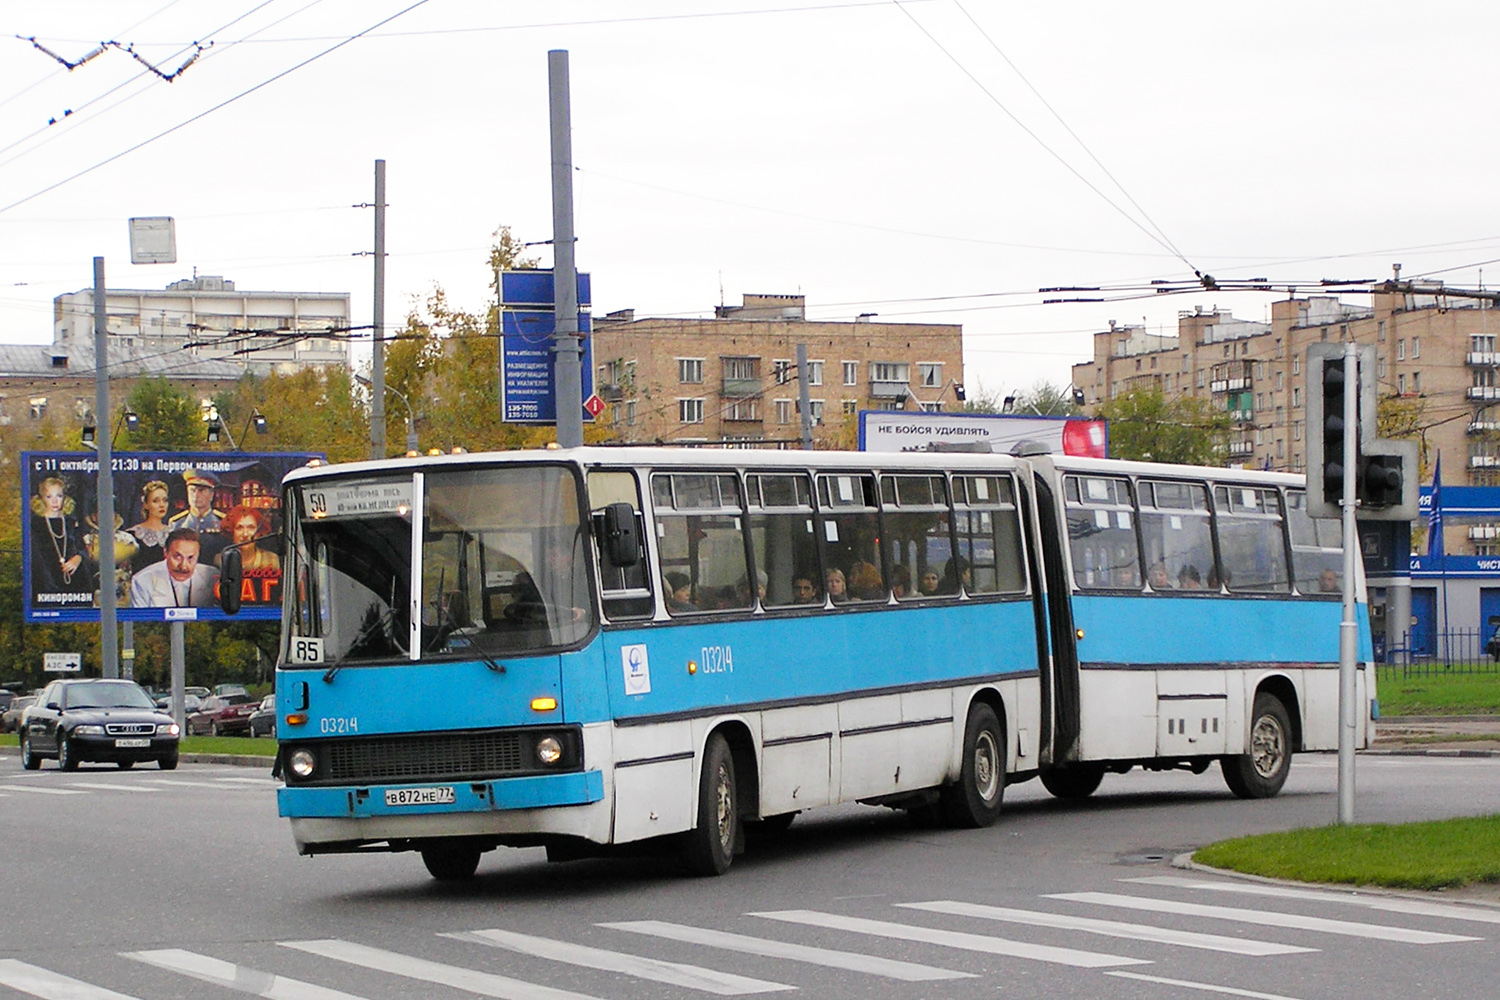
1334,387
1327,388
1380,479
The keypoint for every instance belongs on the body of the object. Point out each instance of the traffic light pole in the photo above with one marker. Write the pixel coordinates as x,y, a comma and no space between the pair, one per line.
1348,630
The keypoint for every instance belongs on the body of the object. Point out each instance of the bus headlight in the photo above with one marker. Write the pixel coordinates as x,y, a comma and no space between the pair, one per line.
302,763
548,750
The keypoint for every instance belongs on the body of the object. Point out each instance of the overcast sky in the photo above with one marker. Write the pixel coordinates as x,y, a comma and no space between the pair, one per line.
898,159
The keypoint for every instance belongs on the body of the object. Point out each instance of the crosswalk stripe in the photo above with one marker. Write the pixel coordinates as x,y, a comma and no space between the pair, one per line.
39,982
1111,928
182,783
484,983
690,976
953,939
1390,904
111,788
1209,987
911,972
236,977
40,791
1270,918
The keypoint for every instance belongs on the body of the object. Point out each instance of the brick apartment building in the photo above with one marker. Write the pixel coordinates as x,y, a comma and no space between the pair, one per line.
733,378
1436,354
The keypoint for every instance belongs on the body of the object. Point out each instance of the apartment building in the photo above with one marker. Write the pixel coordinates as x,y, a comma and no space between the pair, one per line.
41,383
208,318
733,379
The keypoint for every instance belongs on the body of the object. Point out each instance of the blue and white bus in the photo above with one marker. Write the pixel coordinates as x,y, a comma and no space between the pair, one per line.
598,647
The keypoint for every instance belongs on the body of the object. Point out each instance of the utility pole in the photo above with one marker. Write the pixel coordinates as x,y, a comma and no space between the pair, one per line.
105,532
566,348
377,322
1348,630
803,399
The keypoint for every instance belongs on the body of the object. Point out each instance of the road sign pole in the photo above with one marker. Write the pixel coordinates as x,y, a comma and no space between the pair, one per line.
104,534
569,380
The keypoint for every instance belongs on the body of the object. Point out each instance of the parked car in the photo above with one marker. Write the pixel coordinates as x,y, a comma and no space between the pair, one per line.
10,719
201,692
223,689
6,697
222,715
263,719
190,703
81,719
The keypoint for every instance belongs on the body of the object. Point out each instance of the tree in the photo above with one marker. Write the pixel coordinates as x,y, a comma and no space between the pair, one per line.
1147,425
169,419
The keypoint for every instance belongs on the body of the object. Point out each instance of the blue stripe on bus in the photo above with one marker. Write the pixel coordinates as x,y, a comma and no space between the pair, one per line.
577,788
1162,629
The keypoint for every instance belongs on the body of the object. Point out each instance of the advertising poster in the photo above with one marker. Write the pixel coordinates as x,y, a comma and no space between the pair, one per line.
898,430
175,513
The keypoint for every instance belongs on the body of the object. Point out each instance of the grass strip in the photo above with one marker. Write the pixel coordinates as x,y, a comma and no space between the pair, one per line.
1433,855
1438,694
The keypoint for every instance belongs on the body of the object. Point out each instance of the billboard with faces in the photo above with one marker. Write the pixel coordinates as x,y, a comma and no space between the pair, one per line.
175,514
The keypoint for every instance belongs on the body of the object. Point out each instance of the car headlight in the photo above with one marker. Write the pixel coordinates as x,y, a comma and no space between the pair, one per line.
167,729
88,730
302,763
548,750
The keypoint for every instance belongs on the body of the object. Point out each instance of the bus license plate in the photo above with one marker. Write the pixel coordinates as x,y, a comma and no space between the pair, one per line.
436,795
131,744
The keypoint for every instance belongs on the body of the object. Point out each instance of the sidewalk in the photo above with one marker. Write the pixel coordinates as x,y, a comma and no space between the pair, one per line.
1438,735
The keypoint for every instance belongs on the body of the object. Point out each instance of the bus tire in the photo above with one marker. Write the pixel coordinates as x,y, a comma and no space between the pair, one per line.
1076,781
451,862
1260,773
974,800
708,848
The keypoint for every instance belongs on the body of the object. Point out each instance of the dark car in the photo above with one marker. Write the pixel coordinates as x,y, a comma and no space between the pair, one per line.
10,719
112,721
222,715
263,719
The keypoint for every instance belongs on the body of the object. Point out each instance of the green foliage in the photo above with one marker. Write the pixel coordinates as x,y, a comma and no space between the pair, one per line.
1147,425
169,418
1431,855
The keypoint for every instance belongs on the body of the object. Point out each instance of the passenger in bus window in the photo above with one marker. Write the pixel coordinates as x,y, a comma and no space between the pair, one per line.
1328,582
900,582
1158,578
955,574
1188,578
928,585
838,591
742,590
679,593
865,583
804,591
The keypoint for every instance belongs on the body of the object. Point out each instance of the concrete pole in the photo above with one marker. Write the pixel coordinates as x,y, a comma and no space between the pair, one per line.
179,674
377,322
109,645
1348,630
802,398
566,348
127,650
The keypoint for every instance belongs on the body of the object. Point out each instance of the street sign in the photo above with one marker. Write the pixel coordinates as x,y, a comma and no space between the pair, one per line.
62,663
594,405
528,384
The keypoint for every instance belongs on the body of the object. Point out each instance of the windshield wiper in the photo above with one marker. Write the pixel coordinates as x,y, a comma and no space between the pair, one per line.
381,620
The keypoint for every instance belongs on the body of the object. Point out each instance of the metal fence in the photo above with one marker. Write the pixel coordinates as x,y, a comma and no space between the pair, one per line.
1455,651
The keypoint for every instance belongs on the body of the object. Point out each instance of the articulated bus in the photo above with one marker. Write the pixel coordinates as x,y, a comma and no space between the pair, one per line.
592,647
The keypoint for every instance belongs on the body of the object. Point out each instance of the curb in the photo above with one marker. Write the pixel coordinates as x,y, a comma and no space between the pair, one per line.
1186,863
1452,752
233,759
1416,720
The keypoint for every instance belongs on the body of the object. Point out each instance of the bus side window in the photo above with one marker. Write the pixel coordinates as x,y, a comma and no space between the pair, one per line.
1177,535
918,537
990,559
626,589
1252,542
1317,549
1101,533
701,545
851,534
783,539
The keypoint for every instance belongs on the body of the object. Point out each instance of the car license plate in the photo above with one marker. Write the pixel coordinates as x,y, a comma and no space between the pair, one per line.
436,795
131,744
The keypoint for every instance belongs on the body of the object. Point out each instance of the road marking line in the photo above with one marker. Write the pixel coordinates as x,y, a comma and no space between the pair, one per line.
182,783
39,982
1210,987
1267,917
692,977
236,977
483,983
109,788
1391,904
953,939
1112,928
39,791
252,781
851,961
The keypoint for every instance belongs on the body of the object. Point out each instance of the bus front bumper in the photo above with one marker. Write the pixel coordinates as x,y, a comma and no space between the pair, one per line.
359,802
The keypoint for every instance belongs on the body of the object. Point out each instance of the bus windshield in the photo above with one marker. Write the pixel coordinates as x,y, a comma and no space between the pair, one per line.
502,565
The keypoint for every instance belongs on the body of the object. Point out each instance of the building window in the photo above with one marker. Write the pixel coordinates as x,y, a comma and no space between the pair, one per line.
934,407
1416,347
815,373
690,411
782,367
1482,377
742,368
930,376
743,409
1200,378
1169,383
1401,349
851,373
890,371
851,407
1416,382
1380,334
1280,381
1482,343
38,407
1381,372
1137,364
690,370
1296,430
1280,351
1400,385
1296,395
815,408
783,411
1296,366
1185,362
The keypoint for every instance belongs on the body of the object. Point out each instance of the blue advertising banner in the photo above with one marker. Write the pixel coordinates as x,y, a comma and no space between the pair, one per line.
175,513
528,380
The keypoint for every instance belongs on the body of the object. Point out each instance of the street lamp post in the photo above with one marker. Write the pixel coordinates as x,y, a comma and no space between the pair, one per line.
411,419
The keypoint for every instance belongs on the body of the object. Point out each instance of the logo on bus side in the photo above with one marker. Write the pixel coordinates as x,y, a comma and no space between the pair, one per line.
637,669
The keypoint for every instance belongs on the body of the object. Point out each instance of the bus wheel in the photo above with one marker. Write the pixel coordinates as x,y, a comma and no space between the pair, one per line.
1076,781
451,862
1260,773
709,848
974,801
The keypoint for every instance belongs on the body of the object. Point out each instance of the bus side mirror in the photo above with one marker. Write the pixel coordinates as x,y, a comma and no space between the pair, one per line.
621,534
231,572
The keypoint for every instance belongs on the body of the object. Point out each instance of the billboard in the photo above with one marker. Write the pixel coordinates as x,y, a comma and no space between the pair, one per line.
528,381
886,430
175,512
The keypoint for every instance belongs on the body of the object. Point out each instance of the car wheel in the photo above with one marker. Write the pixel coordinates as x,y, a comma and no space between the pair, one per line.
213,727
975,799
451,863
67,755
125,765
708,849
1260,773
29,760
1076,781
168,763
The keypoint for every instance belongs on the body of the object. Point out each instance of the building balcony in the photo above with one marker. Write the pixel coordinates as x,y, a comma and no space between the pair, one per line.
1484,392
610,393
1482,359
889,390
1230,385
741,388
733,417
1484,532
1239,449
1242,416
1484,426
1484,461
